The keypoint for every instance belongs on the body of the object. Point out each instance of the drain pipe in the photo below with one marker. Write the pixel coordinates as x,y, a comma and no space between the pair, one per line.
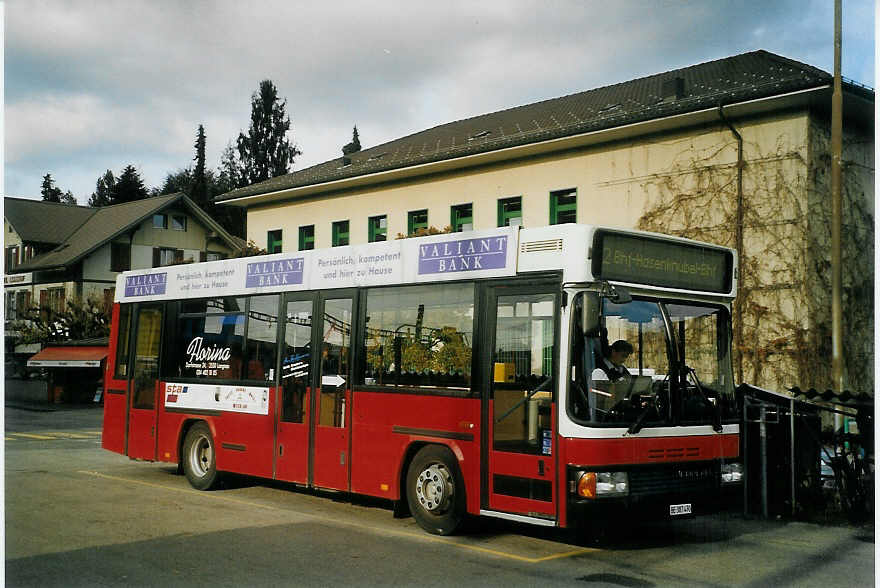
738,237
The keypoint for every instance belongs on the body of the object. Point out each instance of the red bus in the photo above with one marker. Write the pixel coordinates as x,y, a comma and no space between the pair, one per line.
551,375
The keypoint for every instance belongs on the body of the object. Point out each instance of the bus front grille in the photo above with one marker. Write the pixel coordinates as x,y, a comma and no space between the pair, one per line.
673,478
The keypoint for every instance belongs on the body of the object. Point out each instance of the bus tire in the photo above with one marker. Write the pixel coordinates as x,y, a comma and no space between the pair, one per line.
200,457
435,490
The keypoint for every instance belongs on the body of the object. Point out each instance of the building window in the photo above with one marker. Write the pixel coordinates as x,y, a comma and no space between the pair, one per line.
307,237
462,218
11,258
178,222
120,257
214,256
510,212
563,206
416,220
28,252
273,241
166,256
340,233
22,302
378,228
160,221
52,299
10,306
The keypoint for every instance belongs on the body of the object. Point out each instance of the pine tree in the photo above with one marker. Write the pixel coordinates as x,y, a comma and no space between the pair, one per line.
68,198
129,186
230,170
265,152
103,194
355,144
50,192
179,181
199,187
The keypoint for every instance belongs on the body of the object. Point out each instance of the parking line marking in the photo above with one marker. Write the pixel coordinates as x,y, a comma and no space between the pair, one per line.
419,536
70,435
186,490
33,436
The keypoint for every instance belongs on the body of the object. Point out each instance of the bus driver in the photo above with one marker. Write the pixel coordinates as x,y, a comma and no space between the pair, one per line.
613,364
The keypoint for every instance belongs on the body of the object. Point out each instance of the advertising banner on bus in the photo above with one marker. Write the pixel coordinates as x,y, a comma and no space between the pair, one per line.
452,256
249,399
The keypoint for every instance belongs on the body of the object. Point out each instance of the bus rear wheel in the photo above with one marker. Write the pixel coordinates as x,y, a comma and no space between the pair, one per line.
435,490
199,458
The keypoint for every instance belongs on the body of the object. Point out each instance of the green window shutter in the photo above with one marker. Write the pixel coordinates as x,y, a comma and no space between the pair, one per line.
340,233
510,211
461,216
307,237
377,228
273,241
416,219
563,206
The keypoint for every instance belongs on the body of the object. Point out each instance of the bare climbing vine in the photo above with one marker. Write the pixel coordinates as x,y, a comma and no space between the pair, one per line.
784,292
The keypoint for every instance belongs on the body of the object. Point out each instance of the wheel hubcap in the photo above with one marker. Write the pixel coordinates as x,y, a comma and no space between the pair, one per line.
201,456
434,488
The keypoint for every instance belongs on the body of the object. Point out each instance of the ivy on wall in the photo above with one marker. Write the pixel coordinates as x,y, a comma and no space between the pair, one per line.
783,306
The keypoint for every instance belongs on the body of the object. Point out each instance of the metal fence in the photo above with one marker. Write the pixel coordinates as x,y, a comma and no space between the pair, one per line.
808,455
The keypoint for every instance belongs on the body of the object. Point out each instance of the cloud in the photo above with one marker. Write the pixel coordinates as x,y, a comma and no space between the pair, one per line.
94,85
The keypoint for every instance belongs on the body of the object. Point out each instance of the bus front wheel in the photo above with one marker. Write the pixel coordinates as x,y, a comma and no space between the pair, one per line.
435,490
199,457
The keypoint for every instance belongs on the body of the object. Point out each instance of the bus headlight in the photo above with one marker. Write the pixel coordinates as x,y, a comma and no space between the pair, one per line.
731,472
601,484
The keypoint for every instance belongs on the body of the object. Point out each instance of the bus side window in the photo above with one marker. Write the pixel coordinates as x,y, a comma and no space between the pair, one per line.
122,339
262,338
295,359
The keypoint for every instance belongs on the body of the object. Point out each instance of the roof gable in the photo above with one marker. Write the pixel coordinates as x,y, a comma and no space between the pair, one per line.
108,222
748,76
37,221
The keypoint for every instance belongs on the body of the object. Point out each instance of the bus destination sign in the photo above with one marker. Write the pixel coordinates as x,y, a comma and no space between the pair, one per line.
659,262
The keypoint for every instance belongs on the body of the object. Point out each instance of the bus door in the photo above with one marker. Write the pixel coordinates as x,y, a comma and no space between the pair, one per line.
520,476
312,446
295,389
143,385
115,431
332,405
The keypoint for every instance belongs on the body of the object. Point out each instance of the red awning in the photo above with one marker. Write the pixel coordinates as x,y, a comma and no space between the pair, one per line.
69,357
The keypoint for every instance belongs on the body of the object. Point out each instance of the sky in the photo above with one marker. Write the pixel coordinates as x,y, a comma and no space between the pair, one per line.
94,85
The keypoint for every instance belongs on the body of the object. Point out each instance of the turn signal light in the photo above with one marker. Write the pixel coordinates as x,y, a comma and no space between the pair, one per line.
586,485
601,484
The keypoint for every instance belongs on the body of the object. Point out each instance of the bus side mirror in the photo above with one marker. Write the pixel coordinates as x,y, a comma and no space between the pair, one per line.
620,295
590,318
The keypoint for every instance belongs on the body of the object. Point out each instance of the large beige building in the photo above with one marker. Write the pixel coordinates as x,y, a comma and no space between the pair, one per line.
658,153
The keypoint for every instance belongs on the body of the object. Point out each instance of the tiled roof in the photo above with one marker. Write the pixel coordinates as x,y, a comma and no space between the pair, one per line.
108,222
44,222
748,76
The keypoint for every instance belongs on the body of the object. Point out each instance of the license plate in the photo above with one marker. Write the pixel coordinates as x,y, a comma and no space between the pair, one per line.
679,509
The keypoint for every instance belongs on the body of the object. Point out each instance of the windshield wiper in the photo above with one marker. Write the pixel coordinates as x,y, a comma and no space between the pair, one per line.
716,407
639,422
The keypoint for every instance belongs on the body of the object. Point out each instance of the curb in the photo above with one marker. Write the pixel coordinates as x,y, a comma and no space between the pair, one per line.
29,407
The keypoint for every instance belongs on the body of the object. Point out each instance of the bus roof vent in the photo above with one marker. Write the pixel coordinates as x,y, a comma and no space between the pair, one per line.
536,246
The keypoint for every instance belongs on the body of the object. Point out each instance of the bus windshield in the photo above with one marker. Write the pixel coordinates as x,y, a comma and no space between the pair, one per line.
653,363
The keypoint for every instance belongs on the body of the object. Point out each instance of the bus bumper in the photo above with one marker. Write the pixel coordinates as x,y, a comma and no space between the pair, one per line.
609,512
